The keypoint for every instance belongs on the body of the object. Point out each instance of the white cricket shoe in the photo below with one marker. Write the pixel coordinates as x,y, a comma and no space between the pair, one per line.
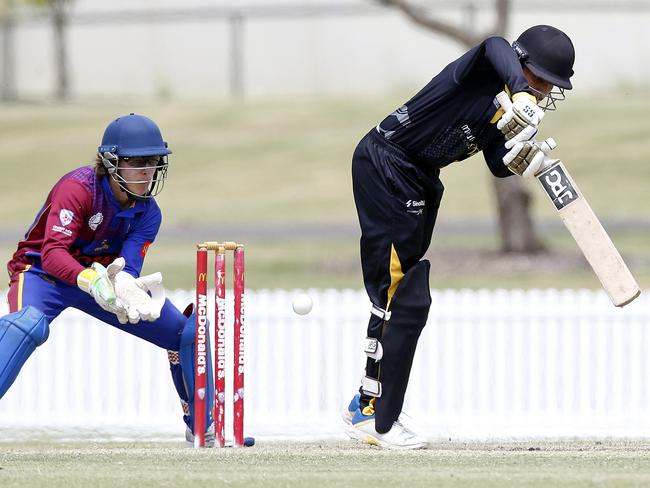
362,427
348,412
209,436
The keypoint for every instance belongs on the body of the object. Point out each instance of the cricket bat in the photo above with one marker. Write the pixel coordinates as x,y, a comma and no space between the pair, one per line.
586,229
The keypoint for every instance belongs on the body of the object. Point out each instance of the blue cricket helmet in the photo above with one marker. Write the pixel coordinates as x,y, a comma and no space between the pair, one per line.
132,136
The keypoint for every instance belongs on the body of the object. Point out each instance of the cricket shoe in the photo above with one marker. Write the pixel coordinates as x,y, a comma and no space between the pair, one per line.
209,437
349,411
362,427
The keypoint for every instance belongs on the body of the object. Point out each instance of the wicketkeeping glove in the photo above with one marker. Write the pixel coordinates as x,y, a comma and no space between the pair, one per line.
96,282
132,293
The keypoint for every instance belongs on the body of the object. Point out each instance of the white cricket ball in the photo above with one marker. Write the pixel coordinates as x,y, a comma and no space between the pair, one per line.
302,304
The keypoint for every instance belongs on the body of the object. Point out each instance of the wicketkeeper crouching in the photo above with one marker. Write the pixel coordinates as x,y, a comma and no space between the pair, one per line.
85,249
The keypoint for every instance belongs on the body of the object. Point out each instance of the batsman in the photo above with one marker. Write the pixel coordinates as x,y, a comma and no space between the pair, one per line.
86,248
397,192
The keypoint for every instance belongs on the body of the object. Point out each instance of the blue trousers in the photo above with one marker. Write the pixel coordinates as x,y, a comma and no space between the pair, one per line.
51,296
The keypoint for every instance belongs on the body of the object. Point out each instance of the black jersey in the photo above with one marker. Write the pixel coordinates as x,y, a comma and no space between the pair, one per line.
453,116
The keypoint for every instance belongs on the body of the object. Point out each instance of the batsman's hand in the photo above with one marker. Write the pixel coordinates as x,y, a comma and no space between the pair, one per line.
521,120
529,158
96,282
132,293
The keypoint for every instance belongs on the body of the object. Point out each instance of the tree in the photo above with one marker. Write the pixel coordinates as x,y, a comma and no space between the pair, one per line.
7,87
516,226
59,13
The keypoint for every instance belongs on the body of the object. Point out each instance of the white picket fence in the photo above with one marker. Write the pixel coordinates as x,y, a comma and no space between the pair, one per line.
490,364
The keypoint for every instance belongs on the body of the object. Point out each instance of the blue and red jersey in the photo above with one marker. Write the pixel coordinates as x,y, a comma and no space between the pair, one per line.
81,222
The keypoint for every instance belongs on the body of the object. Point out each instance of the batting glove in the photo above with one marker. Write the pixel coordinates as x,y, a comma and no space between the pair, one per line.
520,123
529,158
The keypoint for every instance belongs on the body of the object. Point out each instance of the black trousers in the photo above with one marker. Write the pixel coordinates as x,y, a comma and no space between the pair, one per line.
397,205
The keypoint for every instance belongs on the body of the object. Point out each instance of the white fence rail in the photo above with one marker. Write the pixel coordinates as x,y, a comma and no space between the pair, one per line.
490,364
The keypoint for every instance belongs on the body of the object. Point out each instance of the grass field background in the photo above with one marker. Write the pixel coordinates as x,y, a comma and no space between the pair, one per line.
276,175
609,463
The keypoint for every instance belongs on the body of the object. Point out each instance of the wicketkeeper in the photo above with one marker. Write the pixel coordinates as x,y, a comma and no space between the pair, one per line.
85,250
397,191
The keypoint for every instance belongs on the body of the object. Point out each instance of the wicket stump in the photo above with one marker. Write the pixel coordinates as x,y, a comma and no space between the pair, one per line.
202,343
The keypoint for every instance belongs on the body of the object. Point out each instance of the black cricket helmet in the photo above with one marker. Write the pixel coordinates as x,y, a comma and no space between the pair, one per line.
548,53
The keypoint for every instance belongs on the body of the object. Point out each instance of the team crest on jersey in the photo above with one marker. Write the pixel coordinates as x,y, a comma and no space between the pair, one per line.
95,220
66,216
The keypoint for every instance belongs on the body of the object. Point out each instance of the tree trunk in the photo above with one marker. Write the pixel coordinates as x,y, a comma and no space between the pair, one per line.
516,226
8,89
59,24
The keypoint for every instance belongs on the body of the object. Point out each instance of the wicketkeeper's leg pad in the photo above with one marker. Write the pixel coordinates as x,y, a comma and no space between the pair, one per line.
409,310
21,333
187,352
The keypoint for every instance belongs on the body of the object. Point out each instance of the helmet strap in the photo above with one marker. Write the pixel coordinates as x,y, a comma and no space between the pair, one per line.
110,161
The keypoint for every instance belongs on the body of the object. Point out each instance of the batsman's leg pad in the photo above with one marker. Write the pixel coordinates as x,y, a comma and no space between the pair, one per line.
409,311
21,333
187,352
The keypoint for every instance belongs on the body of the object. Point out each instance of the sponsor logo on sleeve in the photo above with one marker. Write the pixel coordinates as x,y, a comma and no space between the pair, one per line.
66,216
95,220
402,115
62,230
145,248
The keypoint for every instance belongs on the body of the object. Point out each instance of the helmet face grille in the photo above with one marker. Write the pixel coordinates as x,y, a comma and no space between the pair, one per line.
112,163
135,136
548,101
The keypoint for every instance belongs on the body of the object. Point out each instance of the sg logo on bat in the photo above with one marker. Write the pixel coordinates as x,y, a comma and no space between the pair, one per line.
558,186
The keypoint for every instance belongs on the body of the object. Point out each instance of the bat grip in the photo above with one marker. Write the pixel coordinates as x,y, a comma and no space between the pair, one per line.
548,145
504,101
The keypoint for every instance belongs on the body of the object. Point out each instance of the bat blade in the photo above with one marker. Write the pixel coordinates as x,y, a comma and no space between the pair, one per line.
589,234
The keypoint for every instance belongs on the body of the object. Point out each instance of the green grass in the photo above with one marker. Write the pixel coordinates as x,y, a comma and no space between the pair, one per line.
290,159
326,264
611,463
262,165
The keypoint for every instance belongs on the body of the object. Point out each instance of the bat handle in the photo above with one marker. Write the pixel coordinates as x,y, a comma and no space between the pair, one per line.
504,101
548,145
